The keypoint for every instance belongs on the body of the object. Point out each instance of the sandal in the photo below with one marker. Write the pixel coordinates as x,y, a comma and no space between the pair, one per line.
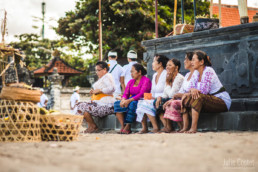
121,131
126,132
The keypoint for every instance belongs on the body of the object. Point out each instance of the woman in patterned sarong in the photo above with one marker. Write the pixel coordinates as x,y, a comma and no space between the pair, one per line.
102,100
173,106
174,81
209,95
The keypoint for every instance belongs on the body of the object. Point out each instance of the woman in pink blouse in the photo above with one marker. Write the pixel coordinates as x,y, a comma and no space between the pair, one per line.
126,108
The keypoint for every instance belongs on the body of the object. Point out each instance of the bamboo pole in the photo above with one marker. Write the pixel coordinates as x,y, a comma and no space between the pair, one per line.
211,8
220,13
175,10
156,19
100,33
182,11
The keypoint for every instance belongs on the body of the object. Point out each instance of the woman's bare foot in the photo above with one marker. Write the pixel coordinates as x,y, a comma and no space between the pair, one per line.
191,131
143,132
183,130
92,130
166,130
155,131
163,130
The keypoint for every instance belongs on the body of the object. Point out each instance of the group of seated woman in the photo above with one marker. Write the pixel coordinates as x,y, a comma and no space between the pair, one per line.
174,97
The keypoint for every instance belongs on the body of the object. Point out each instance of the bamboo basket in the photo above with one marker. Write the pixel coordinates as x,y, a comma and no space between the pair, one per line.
19,121
20,94
61,127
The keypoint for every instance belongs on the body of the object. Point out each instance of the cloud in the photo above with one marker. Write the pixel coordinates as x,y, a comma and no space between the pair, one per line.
20,15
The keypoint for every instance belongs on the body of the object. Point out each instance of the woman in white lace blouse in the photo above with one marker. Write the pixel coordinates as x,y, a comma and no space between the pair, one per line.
102,100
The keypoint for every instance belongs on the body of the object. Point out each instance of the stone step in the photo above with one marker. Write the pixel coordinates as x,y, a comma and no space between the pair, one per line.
236,121
244,104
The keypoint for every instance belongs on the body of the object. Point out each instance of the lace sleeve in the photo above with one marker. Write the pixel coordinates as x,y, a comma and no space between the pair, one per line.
176,85
145,88
206,82
192,83
109,84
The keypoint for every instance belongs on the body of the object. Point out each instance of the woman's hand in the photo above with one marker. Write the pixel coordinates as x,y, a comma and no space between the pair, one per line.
195,93
177,96
97,91
158,102
127,102
124,103
166,104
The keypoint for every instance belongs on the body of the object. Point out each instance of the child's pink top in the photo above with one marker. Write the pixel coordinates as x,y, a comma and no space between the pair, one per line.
137,92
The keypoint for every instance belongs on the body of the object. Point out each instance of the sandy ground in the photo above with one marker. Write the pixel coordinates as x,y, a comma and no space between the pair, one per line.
211,151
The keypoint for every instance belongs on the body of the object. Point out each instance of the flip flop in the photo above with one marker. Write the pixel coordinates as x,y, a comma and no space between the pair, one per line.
126,132
120,132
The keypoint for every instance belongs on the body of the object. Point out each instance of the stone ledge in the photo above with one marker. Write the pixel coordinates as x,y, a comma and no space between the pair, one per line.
203,34
236,121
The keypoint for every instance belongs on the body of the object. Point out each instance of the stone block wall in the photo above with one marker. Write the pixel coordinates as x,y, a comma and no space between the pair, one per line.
233,52
65,95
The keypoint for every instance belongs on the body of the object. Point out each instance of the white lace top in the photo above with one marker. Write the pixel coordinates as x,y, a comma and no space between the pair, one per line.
170,91
157,89
107,85
188,84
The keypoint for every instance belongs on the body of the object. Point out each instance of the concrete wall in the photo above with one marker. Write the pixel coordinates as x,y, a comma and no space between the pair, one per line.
66,93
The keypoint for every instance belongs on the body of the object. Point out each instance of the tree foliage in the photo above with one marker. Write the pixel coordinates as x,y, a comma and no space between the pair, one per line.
125,22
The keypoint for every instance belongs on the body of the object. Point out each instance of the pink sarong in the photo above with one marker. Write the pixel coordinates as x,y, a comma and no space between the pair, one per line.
173,111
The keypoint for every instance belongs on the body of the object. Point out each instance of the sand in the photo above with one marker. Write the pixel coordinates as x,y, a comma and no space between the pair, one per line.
211,151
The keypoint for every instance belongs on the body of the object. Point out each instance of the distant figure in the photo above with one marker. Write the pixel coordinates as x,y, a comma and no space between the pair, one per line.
75,98
131,57
43,100
117,73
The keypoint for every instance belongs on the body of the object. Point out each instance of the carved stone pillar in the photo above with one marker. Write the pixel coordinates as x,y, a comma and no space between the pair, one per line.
55,92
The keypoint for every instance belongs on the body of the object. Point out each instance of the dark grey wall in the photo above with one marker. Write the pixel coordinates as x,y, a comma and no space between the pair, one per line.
233,52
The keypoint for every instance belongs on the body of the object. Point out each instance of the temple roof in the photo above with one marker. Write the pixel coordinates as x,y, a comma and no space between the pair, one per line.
230,14
63,68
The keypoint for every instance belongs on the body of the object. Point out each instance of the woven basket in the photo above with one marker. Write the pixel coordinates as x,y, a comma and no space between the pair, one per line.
19,121
60,127
184,28
23,94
